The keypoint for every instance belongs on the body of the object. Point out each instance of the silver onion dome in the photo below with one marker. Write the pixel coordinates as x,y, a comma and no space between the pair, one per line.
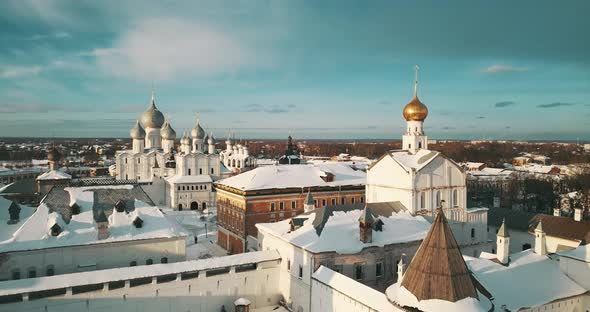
167,132
198,132
137,132
152,117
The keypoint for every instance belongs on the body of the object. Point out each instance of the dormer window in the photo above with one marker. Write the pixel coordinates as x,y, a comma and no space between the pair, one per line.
138,222
55,230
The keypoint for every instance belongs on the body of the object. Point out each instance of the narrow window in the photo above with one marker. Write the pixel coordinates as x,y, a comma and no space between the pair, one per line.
282,206
333,201
149,261
358,272
293,205
352,200
16,275
289,265
133,263
200,170
472,233
50,270
379,269
212,171
164,260
455,199
300,271
438,203
189,171
32,272
272,206
343,201
323,202
362,199
422,200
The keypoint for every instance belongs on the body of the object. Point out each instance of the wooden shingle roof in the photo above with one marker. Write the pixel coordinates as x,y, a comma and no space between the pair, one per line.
438,270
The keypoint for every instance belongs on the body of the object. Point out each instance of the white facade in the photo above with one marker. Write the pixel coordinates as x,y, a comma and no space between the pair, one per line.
236,157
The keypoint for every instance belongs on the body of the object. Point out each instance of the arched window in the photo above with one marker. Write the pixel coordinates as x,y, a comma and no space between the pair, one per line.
133,263
50,270
32,272
212,171
204,205
179,206
200,170
164,260
16,274
437,200
419,144
149,261
455,199
472,233
422,200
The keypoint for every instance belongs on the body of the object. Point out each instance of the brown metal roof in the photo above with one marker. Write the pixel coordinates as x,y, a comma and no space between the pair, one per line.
438,270
563,227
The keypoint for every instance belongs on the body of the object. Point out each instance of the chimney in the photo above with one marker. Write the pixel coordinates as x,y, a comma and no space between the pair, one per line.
503,244
401,269
540,240
578,214
102,223
366,225
556,212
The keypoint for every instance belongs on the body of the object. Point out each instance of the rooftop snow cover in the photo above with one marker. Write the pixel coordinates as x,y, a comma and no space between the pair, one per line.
361,293
341,232
6,230
520,284
201,178
414,161
581,253
403,297
82,228
295,176
54,175
120,274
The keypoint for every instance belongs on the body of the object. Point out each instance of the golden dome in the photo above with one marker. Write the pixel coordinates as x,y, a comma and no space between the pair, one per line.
415,110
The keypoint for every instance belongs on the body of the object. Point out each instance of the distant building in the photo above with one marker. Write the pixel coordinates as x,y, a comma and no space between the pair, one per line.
291,157
274,193
236,157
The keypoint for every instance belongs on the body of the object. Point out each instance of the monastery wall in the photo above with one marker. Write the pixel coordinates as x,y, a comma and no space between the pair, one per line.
71,259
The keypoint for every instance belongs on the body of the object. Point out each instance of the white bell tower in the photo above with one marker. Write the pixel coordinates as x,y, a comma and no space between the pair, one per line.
415,113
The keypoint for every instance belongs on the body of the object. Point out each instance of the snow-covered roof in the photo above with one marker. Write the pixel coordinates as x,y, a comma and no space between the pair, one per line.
353,289
179,179
6,229
54,175
529,280
581,253
341,231
403,297
535,168
414,161
82,229
295,176
120,274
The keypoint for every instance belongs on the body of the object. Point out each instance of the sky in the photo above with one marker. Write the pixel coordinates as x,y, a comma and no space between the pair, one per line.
314,69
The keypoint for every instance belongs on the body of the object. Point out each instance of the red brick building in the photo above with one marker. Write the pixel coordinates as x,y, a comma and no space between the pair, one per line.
274,193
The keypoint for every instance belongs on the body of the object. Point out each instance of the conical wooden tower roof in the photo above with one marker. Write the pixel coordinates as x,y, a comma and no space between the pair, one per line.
438,270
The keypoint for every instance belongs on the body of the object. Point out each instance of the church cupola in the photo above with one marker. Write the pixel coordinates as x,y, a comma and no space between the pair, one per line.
152,119
185,143
168,136
540,239
415,113
138,135
366,221
211,144
53,157
198,134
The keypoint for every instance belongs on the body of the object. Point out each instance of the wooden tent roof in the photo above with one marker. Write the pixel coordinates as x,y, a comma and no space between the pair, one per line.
438,270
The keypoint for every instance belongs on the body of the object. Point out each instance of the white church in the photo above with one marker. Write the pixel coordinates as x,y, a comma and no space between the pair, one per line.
188,173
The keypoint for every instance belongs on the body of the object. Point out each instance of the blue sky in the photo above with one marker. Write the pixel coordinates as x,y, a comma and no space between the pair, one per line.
316,69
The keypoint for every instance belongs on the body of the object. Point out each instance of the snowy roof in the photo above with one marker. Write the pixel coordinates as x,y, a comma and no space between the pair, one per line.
127,273
340,233
54,175
6,230
535,168
201,178
520,284
353,289
404,298
581,253
82,229
414,161
295,176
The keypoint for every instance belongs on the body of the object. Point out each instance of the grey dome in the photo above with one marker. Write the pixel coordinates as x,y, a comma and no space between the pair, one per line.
198,132
137,132
167,132
152,117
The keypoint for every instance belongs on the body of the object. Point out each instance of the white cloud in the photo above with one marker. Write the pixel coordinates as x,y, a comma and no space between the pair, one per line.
165,48
501,68
58,35
20,71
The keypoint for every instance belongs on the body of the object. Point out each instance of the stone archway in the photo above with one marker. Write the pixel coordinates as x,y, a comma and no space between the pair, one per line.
194,205
203,206
179,206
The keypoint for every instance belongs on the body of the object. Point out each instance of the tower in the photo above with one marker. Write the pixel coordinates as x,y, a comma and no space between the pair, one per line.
309,203
540,240
415,113
53,157
211,144
152,119
366,225
503,244
138,135
401,268
185,143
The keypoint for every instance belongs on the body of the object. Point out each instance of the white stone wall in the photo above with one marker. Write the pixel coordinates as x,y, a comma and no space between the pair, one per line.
81,258
202,193
576,304
198,294
517,239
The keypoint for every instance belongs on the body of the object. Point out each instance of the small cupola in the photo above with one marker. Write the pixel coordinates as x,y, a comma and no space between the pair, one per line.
102,224
120,206
242,305
14,212
138,222
55,229
75,208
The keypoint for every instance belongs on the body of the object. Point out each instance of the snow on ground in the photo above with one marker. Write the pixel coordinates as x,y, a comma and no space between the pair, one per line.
398,228
521,284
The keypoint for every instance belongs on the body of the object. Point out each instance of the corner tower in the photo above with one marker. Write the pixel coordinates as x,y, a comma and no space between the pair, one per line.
415,113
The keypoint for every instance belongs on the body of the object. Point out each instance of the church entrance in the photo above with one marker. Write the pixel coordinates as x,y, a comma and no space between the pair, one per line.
194,206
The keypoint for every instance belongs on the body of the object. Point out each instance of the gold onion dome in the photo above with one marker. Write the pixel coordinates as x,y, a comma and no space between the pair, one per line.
415,110
53,154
